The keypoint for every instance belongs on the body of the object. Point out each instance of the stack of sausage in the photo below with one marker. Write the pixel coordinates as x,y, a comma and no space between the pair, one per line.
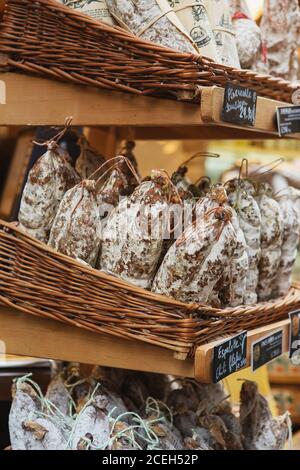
123,410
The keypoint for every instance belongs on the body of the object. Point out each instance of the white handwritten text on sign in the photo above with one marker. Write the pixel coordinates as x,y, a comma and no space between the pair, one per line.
239,105
230,356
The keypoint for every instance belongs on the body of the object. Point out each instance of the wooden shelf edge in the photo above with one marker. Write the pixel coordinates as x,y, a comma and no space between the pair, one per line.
27,335
33,101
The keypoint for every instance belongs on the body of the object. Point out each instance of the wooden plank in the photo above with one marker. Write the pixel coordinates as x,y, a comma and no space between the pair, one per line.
27,335
38,101
202,132
211,110
204,354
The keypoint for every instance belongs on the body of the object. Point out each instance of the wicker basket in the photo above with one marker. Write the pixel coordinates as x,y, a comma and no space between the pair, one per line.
38,280
44,37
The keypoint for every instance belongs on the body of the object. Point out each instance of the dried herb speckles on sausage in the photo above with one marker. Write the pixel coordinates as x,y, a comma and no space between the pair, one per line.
195,262
48,180
240,197
91,430
58,395
231,287
24,406
271,240
260,430
291,230
108,195
42,434
133,237
280,32
76,228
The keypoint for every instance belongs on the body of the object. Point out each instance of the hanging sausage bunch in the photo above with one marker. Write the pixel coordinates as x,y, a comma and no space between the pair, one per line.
124,410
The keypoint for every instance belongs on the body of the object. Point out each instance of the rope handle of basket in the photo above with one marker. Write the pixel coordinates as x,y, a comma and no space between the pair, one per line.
164,12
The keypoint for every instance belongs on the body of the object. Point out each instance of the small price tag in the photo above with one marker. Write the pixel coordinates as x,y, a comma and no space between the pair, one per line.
230,356
266,349
288,120
239,105
295,337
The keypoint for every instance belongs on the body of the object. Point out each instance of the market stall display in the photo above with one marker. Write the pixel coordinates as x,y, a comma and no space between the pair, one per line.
146,270
137,243
145,244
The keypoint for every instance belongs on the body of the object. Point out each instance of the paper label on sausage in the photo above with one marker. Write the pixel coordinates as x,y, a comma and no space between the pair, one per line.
97,9
194,18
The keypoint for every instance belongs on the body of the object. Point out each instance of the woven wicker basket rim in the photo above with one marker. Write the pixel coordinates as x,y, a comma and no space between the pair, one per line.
215,312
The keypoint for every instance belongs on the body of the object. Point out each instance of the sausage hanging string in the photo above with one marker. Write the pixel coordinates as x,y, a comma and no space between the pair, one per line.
246,163
170,229
58,136
84,184
117,160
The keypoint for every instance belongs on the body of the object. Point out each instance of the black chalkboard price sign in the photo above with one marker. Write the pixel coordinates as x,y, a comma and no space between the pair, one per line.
230,356
239,105
266,349
288,120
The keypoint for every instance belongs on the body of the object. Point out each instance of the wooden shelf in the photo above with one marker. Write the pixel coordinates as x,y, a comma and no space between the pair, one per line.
34,101
27,335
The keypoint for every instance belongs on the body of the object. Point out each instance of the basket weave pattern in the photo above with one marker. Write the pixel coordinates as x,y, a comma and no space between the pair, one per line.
46,38
40,281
